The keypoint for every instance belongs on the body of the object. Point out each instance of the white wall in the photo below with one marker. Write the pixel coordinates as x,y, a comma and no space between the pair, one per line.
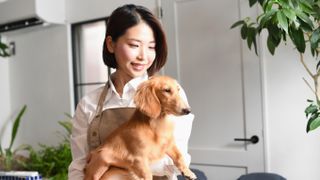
5,108
291,151
82,10
39,78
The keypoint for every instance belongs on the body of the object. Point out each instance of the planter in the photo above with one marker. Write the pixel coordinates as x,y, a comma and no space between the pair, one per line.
20,175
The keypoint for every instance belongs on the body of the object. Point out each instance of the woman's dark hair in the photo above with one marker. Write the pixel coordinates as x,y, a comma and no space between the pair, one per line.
127,16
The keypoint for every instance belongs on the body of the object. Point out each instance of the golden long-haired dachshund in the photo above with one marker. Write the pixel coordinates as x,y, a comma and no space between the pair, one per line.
148,135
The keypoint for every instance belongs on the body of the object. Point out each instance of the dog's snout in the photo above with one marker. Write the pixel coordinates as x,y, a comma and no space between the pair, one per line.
186,111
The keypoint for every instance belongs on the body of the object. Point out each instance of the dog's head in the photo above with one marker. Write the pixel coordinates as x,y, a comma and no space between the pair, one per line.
160,96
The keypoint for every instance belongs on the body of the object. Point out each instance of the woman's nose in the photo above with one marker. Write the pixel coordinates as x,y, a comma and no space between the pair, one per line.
142,54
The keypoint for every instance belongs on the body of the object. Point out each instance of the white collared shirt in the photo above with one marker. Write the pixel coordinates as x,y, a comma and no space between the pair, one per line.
85,113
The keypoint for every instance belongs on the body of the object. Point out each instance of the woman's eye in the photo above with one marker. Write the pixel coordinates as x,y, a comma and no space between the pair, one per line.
152,47
134,45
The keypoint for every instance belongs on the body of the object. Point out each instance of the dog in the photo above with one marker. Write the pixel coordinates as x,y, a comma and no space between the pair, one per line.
148,135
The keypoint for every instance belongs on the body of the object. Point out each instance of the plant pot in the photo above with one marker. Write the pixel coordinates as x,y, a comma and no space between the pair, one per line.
20,174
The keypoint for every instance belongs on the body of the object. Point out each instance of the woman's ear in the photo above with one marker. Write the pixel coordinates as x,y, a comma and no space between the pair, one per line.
110,44
147,101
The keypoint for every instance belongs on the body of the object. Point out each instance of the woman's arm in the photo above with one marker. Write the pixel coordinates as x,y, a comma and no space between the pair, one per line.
78,141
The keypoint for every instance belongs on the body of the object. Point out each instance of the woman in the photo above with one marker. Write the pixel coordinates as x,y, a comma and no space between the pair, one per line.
135,45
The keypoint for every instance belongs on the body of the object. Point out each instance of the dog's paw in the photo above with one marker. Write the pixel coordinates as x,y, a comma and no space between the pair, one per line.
189,175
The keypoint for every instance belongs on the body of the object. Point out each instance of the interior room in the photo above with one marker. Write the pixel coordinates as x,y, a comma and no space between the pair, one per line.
235,94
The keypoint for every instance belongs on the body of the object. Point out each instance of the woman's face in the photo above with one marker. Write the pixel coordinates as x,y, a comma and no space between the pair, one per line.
134,51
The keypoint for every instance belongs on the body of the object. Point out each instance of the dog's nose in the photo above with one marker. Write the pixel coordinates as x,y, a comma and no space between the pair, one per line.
186,111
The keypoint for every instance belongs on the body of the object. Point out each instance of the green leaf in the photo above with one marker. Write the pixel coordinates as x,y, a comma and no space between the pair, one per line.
271,46
3,50
290,14
318,65
316,10
304,26
261,2
255,45
237,24
244,31
312,118
251,38
297,38
252,2
266,17
274,37
68,115
294,3
267,7
304,18
314,39
282,19
306,7
3,46
275,33
16,126
67,125
283,4
313,124
250,35
311,109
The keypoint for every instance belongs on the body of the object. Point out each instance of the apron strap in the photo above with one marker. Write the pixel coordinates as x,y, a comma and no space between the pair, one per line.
102,99
103,96
94,139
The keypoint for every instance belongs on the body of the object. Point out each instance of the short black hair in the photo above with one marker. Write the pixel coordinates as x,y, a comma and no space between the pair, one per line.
127,16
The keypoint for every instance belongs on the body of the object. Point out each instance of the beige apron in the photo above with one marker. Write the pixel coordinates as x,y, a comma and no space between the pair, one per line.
106,121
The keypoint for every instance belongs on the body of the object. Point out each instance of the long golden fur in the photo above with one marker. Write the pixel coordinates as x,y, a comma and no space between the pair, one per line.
148,135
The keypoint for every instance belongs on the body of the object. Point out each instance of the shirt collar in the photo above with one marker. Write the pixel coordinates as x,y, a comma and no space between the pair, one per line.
133,83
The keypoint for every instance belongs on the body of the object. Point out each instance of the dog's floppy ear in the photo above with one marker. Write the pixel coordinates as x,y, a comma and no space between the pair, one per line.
147,101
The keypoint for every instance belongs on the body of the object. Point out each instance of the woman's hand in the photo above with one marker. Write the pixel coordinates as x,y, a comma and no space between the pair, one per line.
96,165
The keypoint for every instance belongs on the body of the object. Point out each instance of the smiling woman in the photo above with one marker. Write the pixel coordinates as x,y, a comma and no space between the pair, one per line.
135,53
135,46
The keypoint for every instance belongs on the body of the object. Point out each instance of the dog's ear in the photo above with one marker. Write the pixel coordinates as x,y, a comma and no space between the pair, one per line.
147,101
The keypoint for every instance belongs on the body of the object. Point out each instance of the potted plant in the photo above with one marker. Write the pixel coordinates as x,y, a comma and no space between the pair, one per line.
51,161
9,157
4,49
298,20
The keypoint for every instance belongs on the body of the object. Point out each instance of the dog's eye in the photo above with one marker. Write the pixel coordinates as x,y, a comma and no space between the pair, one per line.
168,90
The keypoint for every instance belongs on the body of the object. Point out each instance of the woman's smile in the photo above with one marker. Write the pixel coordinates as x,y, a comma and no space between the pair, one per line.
138,66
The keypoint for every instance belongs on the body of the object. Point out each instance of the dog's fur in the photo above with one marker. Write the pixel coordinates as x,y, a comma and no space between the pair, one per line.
148,135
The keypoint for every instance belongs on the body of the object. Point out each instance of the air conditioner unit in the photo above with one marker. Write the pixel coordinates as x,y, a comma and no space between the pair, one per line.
17,14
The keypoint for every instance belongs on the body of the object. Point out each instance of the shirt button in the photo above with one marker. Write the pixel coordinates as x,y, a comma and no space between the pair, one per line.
94,133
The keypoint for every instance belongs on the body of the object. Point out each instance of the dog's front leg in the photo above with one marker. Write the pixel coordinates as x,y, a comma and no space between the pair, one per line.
178,161
140,168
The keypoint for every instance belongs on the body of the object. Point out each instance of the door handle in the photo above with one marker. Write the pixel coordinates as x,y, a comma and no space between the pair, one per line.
254,139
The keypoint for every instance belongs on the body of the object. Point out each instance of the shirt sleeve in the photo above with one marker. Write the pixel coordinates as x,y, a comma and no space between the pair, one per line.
182,132
78,141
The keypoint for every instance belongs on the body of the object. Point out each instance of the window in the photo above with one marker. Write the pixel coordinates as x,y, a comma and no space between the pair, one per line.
89,69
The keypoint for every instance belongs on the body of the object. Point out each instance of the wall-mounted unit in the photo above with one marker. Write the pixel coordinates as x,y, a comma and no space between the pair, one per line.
17,14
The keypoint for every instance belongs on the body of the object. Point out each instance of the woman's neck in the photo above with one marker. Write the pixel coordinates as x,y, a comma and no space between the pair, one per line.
119,81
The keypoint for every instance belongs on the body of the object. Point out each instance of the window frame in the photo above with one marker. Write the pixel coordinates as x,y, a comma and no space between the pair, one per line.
76,62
